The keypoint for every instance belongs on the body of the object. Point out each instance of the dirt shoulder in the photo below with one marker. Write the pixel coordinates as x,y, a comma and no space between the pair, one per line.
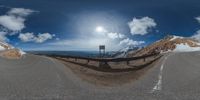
109,78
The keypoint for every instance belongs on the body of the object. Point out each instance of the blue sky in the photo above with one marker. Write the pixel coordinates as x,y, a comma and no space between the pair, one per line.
83,25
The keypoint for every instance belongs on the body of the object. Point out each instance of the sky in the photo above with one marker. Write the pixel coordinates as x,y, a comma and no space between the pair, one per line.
65,25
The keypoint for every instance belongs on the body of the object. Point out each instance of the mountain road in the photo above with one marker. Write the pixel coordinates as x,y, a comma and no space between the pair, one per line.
176,76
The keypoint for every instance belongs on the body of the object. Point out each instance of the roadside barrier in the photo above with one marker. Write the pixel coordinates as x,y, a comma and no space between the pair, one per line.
106,60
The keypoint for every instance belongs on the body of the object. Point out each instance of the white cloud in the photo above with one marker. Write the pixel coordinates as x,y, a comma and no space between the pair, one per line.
20,12
141,26
3,36
40,38
196,35
115,35
198,19
12,23
43,37
14,19
128,42
57,39
26,37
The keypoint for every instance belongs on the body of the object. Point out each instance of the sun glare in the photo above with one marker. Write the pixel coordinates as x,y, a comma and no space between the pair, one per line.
100,29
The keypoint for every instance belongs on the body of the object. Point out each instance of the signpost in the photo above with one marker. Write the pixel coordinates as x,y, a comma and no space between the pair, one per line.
102,51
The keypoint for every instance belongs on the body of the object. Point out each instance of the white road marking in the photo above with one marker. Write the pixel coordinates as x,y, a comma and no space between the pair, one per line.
158,86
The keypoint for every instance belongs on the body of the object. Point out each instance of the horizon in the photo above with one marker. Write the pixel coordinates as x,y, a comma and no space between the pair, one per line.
83,26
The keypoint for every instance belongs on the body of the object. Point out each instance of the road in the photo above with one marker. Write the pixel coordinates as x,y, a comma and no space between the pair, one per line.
175,77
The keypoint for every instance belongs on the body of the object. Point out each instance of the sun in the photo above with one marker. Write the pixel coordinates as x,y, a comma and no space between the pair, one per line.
100,29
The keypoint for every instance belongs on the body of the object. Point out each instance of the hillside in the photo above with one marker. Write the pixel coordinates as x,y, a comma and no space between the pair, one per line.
170,44
8,51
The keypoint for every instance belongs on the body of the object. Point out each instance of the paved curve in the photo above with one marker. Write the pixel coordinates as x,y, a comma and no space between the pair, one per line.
175,77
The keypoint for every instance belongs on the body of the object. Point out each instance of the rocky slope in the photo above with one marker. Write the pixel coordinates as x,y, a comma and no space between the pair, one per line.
170,44
8,51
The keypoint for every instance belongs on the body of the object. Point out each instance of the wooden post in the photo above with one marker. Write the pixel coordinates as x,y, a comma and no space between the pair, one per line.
104,65
127,62
88,61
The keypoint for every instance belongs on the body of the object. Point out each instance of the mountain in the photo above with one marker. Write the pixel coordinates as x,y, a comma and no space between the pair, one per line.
171,44
5,46
125,51
8,51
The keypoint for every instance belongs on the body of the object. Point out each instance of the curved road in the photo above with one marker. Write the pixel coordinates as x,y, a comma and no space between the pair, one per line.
175,77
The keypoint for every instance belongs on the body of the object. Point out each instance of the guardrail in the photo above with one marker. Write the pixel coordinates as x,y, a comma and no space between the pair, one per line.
106,60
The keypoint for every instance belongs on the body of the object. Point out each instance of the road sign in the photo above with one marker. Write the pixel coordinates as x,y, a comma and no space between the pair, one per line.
102,51
102,47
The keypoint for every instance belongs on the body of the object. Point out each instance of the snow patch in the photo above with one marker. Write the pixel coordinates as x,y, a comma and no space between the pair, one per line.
21,52
168,51
2,48
176,37
185,48
2,44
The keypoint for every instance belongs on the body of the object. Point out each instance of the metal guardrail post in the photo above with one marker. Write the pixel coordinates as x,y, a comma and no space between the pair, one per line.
104,64
88,61
155,56
127,62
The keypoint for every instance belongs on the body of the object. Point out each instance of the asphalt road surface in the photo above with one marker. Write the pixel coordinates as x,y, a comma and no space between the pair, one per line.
175,77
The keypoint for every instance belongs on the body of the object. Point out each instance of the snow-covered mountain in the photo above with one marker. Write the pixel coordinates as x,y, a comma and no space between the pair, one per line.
125,51
5,46
8,51
171,44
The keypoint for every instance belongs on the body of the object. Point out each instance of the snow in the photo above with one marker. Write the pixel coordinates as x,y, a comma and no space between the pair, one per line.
168,51
197,43
22,52
5,44
175,37
2,48
9,47
185,48
125,51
